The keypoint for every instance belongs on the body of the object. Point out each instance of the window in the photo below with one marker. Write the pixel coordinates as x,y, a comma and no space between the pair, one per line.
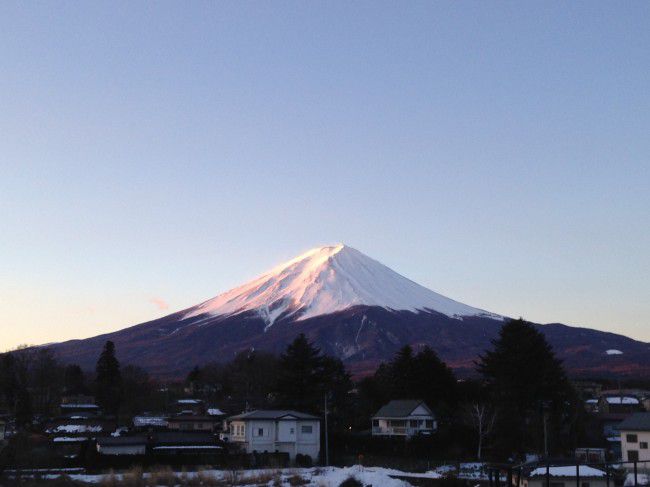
632,456
375,423
643,445
306,429
631,438
292,431
429,424
414,423
259,432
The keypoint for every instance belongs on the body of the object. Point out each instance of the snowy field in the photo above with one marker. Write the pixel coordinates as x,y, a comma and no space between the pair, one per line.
317,477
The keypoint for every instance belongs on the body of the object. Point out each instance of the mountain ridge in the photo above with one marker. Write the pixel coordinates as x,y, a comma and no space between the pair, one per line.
352,307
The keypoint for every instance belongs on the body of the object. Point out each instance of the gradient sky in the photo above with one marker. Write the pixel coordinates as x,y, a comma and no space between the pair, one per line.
155,154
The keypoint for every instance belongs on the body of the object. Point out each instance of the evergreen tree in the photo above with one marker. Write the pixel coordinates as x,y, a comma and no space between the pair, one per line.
336,386
435,382
415,376
528,386
74,381
300,376
194,379
108,381
402,375
251,379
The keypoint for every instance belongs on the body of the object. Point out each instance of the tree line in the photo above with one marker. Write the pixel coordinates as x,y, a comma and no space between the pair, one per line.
520,401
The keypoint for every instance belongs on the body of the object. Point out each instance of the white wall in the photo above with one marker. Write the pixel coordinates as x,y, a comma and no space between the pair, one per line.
626,446
288,436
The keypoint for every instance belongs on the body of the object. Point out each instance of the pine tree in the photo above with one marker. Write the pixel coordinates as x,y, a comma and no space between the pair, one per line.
416,376
435,382
108,381
74,381
527,383
300,376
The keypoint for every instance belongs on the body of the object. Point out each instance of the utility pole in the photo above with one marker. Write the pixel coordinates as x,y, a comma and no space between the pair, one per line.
545,435
327,450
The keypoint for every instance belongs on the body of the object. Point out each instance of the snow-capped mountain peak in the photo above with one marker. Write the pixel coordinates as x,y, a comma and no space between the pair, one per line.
326,280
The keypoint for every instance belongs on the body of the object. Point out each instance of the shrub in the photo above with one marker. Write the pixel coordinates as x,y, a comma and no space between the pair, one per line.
351,482
304,460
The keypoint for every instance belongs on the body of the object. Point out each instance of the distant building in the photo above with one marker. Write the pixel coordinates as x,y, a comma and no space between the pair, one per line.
191,422
591,455
284,431
150,422
122,446
635,438
591,405
566,476
190,406
404,417
178,444
624,401
78,404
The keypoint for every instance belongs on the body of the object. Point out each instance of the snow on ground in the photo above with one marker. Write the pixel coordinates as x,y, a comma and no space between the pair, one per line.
316,477
622,400
329,279
642,479
613,351
76,428
69,439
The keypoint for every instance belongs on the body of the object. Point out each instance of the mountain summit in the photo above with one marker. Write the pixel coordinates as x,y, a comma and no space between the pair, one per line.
351,307
328,279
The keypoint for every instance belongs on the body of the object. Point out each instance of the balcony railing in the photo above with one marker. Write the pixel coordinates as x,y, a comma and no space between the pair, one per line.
399,431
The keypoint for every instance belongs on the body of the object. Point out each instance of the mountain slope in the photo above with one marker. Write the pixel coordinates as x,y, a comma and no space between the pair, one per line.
352,307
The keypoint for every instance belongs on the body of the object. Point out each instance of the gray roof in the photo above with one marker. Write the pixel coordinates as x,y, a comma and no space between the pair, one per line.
636,422
400,408
276,414
184,438
122,441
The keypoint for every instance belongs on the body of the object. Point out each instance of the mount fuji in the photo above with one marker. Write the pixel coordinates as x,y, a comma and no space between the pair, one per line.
352,307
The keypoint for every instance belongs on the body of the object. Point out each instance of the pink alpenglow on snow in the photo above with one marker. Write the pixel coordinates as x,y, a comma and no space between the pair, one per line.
328,279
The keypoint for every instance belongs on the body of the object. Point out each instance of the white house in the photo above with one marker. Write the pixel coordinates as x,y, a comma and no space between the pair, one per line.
635,438
285,431
404,417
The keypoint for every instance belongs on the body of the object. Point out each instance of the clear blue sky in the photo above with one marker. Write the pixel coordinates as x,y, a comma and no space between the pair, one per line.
154,154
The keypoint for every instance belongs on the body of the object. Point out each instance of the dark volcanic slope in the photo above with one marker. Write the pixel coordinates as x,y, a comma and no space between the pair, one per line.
362,336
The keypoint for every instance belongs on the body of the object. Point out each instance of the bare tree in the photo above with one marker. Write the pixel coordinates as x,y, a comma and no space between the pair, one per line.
481,417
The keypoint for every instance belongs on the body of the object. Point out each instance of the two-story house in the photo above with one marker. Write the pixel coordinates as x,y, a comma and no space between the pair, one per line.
404,417
285,431
635,438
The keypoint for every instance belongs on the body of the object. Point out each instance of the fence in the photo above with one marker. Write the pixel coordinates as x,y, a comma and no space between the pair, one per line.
513,474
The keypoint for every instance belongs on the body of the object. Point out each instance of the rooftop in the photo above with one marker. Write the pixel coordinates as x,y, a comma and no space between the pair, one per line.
122,441
400,408
277,414
636,422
